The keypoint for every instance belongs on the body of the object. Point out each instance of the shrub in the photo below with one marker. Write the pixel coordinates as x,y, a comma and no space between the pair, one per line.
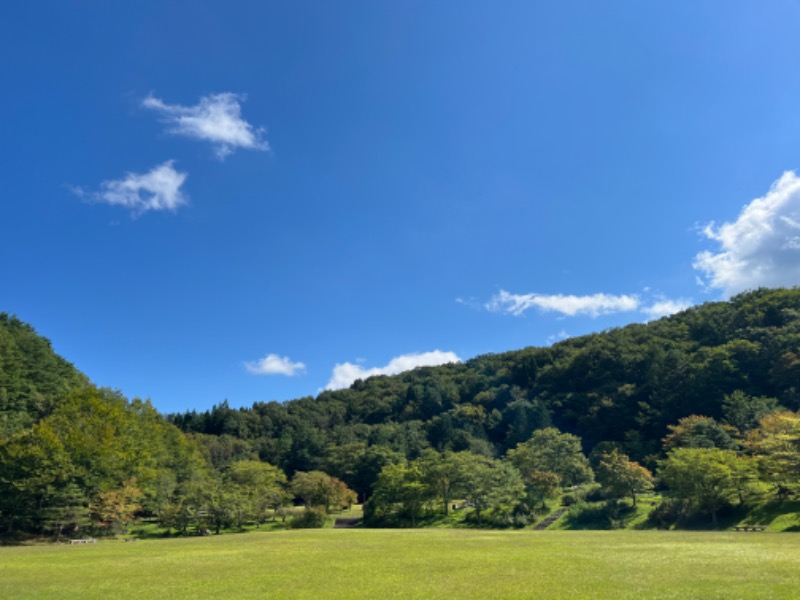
595,493
503,516
569,500
577,494
311,518
599,515
669,513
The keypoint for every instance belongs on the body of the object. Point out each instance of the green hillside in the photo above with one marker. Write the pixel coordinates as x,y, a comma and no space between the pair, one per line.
33,378
75,458
625,386
702,406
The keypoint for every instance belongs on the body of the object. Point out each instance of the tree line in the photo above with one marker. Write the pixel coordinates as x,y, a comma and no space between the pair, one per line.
702,403
624,387
707,466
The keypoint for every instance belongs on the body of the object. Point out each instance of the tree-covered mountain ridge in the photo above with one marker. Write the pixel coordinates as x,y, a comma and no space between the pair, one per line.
624,386
697,397
75,458
33,378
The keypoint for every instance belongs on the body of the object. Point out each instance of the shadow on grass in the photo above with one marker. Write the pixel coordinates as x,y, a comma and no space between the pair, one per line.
15,540
150,530
597,515
768,512
774,515
609,515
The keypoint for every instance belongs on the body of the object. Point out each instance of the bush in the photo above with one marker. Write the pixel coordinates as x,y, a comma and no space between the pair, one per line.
523,515
599,515
588,516
311,518
380,517
594,493
503,517
577,494
669,513
570,500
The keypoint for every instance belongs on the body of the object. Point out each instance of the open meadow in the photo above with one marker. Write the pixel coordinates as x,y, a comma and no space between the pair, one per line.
363,563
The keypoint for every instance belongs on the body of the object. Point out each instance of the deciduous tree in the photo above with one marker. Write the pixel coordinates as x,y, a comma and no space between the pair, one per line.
491,483
696,431
317,488
776,445
619,476
400,495
550,451
706,478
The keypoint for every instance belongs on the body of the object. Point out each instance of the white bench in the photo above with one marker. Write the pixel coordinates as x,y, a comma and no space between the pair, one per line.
84,541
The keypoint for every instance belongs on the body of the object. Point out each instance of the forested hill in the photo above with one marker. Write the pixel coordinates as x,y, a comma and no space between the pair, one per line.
623,386
33,378
74,458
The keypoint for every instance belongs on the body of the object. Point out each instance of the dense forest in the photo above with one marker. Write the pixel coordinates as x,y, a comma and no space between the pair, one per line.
73,456
33,379
625,386
710,392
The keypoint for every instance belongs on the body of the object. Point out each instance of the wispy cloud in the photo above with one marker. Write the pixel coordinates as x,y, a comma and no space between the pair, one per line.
665,307
594,305
272,364
557,337
216,118
158,189
345,374
760,248
469,302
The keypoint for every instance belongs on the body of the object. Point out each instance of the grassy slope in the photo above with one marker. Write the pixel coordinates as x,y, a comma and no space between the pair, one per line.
775,516
413,564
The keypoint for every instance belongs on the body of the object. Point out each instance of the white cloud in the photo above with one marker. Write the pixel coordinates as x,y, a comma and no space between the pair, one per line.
272,364
760,248
158,189
569,305
345,374
470,303
666,307
557,337
216,118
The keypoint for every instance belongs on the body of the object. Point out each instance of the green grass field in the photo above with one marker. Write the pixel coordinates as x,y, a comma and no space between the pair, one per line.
433,563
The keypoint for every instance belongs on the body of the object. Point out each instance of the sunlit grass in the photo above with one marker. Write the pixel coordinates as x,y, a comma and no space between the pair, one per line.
441,563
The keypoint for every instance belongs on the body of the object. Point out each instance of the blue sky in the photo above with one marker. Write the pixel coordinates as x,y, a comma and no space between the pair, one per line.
254,201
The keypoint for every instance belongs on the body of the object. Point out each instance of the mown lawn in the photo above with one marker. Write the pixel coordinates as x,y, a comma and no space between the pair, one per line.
432,563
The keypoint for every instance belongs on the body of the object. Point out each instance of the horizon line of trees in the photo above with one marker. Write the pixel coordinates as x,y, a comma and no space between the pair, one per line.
715,389
625,386
100,462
